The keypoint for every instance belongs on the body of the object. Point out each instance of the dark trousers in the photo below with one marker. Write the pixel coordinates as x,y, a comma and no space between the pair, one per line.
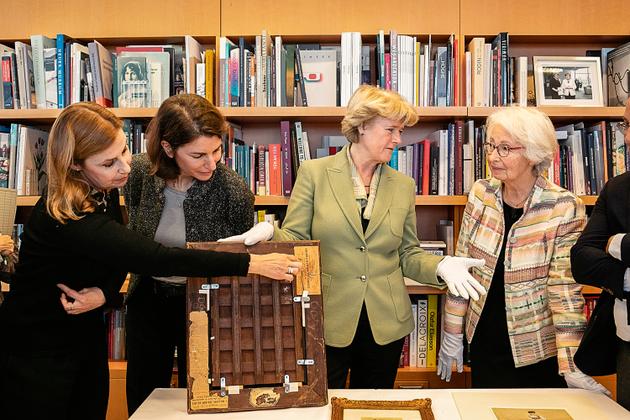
62,385
488,373
156,325
623,374
370,364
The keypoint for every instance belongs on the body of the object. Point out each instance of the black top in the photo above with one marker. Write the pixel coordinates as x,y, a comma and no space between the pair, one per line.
491,340
94,251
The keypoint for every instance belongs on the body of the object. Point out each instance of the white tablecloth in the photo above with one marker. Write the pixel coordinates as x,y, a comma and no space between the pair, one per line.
447,404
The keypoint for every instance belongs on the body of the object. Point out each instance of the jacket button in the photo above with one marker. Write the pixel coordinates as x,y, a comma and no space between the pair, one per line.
512,240
362,248
363,278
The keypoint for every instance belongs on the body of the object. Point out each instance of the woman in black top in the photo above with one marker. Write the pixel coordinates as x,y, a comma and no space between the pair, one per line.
53,364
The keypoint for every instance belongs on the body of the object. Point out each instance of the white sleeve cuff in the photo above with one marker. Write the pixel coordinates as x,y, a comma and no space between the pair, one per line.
626,281
614,248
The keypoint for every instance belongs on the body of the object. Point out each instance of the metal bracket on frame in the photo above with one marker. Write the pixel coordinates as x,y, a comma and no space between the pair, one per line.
304,299
205,290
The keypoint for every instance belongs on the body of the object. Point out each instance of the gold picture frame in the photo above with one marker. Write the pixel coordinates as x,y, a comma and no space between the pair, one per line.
345,409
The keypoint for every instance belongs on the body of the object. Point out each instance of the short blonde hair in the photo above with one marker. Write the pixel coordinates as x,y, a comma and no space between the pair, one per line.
369,102
532,129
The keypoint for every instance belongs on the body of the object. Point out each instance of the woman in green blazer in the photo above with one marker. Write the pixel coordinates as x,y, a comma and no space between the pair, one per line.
363,212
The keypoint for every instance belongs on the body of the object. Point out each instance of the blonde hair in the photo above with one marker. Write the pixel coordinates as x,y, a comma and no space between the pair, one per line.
532,129
80,131
369,102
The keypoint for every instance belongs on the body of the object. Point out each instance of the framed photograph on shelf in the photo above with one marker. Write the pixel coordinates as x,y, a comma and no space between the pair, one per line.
345,409
568,81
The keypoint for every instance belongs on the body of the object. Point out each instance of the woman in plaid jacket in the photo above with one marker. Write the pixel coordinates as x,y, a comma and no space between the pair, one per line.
524,332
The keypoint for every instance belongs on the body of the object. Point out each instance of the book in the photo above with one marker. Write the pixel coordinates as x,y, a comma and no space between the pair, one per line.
38,44
50,76
133,82
319,75
618,75
102,64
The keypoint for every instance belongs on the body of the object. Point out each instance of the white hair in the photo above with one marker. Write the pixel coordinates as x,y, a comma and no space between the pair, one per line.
532,129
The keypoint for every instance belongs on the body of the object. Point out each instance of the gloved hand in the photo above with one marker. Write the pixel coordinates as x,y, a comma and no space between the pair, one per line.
579,379
262,231
451,350
454,271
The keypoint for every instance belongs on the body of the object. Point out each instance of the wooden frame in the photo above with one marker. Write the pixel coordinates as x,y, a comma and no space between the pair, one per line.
421,409
253,342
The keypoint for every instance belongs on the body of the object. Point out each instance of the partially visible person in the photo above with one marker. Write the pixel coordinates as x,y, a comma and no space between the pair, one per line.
178,192
6,260
554,86
524,332
53,357
568,86
601,258
364,214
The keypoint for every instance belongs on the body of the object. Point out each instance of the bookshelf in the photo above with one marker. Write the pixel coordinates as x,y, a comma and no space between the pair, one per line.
535,27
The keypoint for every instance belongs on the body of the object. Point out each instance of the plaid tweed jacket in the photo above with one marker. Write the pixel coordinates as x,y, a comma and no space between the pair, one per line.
543,304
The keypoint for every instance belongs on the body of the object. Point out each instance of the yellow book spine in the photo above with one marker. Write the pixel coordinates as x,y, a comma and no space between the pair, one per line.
432,331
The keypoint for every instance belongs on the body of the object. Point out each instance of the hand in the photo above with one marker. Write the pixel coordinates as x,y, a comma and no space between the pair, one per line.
275,266
6,244
579,379
84,300
454,271
451,350
262,231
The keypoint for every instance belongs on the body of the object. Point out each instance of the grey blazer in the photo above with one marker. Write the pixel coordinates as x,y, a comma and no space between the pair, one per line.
220,207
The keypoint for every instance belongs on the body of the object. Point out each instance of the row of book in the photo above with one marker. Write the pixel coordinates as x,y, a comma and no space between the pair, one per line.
23,159
589,155
56,72
275,73
115,323
493,78
420,346
448,161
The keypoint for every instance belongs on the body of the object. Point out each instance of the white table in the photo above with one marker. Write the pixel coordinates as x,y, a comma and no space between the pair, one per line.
170,404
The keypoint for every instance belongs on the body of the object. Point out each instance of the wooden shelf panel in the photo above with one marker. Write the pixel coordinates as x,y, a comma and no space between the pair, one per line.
330,17
113,18
327,114
534,17
560,112
591,290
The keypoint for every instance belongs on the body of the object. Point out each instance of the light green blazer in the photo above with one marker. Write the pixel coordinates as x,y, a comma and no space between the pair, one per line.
358,267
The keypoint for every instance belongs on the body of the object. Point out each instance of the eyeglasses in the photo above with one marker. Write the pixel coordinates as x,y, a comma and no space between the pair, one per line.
502,149
622,127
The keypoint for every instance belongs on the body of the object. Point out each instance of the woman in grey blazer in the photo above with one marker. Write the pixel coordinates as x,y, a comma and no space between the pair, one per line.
178,192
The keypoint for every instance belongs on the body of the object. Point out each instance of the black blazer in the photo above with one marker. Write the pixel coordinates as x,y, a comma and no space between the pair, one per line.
94,251
591,265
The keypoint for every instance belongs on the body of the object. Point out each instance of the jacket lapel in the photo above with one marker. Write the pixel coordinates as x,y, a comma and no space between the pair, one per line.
383,201
339,178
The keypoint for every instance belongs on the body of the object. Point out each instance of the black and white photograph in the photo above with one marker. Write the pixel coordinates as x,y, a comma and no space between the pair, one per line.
568,81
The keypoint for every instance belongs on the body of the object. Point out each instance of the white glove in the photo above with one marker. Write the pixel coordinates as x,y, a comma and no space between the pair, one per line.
454,271
262,231
579,379
451,350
